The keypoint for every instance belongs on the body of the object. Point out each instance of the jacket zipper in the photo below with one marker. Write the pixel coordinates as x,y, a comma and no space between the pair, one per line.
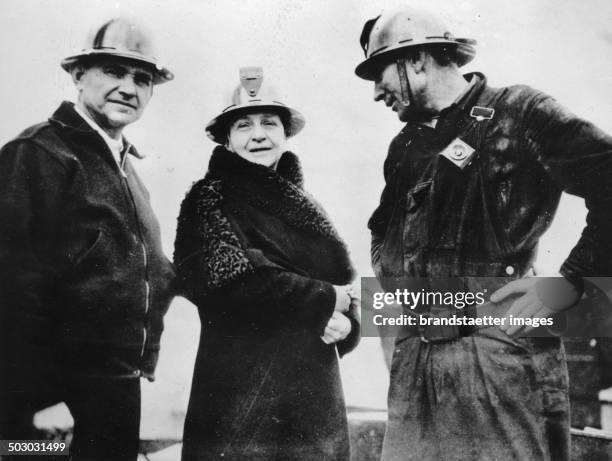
147,290
145,258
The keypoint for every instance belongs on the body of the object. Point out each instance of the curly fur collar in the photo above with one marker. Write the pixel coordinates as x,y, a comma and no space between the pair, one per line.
278,192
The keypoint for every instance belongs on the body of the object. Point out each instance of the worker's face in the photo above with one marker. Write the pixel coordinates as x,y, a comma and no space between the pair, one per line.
388,88
114,92
411,105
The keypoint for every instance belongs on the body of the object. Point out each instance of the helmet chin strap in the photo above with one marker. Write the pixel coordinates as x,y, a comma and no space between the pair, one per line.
407,97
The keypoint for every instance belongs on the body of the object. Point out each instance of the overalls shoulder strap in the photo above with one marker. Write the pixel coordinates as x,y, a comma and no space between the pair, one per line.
482,113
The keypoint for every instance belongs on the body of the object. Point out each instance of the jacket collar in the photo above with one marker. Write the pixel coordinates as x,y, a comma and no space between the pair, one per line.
67,117
465,103
477,82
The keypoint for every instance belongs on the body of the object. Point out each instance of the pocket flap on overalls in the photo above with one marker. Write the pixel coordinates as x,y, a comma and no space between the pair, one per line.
417,194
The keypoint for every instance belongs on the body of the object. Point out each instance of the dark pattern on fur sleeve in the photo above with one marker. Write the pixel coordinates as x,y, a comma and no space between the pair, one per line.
208,254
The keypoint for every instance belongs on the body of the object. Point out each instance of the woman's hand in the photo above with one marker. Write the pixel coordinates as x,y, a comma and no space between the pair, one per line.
343,299
338,327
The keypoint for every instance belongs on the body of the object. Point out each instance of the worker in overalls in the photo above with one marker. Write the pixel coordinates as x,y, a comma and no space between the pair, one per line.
473,180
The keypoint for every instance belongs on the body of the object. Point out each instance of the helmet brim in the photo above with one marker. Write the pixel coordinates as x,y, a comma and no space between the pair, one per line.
161,74
370,68
216,129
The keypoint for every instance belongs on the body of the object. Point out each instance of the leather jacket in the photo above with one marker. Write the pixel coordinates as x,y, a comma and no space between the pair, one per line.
81,263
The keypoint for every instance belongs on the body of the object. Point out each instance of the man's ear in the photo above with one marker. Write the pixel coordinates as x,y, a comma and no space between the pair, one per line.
77,73
420,61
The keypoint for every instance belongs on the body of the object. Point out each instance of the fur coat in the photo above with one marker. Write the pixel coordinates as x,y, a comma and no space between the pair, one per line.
259,259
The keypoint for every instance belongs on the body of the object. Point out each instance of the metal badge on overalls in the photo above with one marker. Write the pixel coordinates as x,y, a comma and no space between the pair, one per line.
459,152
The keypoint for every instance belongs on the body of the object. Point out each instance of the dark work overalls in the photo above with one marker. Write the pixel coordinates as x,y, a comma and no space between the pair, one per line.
484,396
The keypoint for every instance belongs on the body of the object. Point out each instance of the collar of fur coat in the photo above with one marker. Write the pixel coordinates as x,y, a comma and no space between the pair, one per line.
279,192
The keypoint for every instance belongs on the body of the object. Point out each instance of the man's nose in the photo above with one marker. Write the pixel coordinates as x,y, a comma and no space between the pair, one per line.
379,94
127,86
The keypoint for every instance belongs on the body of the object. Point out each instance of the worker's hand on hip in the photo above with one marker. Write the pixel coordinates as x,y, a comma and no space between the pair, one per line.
541,298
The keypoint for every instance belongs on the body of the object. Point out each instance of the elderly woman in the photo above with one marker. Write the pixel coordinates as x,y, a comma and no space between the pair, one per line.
269,274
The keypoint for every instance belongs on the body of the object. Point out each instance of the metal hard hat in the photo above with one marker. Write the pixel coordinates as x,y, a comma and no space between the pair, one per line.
406,28
122,38
251,94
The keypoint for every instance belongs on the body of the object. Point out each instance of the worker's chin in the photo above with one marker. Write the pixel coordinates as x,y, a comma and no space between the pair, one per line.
404,112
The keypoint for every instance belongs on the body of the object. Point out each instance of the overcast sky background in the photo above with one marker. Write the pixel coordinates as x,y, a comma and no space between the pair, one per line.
310,48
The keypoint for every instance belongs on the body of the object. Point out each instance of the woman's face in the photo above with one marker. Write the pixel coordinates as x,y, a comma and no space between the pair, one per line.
259,138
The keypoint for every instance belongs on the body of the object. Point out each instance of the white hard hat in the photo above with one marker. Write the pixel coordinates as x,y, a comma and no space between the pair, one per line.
122,38
393,31
252,93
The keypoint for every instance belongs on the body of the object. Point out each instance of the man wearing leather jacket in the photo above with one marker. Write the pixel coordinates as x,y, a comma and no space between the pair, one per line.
84,282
